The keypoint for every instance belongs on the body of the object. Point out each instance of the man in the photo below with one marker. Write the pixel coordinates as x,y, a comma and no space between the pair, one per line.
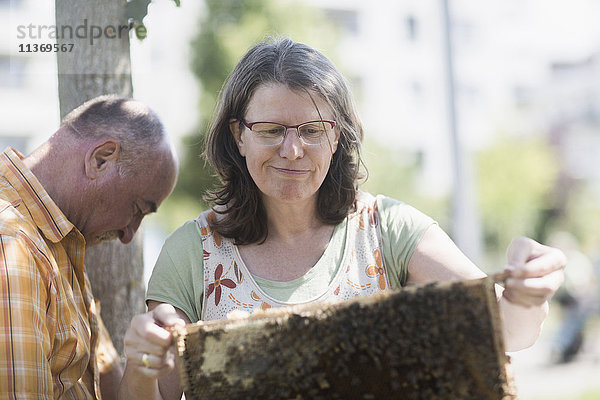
108,165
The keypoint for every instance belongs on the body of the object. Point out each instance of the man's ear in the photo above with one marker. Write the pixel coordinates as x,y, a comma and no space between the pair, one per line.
100,156
236,130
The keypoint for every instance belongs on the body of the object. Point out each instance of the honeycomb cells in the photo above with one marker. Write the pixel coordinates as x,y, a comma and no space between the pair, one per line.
439,341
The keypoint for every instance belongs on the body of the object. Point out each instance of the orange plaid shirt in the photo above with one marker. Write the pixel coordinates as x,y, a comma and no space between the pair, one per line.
49,321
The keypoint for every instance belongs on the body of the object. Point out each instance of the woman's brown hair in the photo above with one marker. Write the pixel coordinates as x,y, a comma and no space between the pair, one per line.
300,67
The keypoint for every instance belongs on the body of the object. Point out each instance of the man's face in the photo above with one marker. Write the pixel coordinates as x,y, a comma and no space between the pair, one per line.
121,203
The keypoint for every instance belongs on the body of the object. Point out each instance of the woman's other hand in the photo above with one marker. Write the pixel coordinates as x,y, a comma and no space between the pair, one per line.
536,272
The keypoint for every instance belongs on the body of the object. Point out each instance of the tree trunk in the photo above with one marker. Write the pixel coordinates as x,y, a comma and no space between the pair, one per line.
99,63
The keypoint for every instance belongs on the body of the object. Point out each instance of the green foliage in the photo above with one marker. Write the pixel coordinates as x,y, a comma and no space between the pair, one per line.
394,173
230,27
589,395
515,180
391,172
592,394
227,29
174,212
136,10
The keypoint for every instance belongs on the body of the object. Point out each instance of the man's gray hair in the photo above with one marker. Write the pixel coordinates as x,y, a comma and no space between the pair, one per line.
133,124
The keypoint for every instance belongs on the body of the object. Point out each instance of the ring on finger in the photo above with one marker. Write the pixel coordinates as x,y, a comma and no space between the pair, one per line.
145,360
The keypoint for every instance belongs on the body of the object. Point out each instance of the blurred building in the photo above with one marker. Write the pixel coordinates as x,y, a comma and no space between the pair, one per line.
574,109
522,67
391,51
28,84
161,65
514,61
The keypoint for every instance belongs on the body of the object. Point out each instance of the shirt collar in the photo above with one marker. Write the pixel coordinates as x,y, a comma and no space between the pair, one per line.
46,214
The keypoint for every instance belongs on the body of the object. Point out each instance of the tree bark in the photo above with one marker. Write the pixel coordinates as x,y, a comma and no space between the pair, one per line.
96,66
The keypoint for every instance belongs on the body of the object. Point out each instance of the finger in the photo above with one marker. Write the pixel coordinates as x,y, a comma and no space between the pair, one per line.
533,291
546,285
520,250
524,299
552,260
152,366
155,373
139,346
143,326
528,258
165,315
523,249
153,361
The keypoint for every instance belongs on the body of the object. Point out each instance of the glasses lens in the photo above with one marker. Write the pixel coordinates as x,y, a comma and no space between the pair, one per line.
313,132
268,133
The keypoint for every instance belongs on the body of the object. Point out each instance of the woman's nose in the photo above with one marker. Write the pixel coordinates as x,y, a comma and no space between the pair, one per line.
291,147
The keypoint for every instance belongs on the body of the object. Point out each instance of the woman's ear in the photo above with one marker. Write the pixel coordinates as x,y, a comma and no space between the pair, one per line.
336,139
235,126
100,155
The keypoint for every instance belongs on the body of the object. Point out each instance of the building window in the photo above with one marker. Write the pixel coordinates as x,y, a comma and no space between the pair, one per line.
346,19
416,88
10,3
412,28
522,96
12,71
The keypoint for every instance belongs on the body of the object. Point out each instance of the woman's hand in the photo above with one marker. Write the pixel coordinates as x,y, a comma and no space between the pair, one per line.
148,345
151,355
536,272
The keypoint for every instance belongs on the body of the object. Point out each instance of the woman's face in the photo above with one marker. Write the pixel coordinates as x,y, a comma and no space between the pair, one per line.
291,171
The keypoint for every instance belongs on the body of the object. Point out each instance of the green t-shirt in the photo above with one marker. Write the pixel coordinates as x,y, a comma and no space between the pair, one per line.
178,276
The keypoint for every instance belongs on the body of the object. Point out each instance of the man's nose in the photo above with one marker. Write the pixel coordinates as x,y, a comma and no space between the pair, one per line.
129,231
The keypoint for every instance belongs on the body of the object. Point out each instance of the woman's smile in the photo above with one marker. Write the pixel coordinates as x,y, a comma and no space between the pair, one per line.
291,171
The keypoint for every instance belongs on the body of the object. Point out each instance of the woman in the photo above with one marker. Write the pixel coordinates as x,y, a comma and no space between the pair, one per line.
289,226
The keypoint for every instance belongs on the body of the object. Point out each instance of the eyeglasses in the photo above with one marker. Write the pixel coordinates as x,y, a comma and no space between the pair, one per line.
273,133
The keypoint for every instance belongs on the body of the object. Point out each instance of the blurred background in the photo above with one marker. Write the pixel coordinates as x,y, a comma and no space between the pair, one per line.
484,115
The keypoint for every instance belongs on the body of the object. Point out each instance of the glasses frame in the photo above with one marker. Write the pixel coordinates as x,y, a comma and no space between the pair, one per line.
249,125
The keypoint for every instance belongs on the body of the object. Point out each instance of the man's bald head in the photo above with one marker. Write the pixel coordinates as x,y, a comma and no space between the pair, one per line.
107,166
134,125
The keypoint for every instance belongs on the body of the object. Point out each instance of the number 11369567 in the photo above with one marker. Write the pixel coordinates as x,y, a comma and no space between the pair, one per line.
45,48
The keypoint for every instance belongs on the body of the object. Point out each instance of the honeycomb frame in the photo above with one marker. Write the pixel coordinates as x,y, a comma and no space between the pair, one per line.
437,341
